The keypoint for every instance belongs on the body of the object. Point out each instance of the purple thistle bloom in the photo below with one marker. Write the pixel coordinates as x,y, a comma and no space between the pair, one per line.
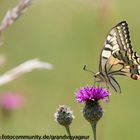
91,93
11,101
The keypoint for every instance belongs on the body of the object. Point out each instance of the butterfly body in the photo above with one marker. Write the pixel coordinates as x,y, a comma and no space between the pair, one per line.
117,57
99,77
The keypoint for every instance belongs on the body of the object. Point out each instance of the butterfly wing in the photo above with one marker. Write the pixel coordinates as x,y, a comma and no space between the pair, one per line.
117,40
118,45
117,56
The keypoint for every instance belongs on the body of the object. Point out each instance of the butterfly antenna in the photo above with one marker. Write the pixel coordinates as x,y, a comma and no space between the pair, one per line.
85,69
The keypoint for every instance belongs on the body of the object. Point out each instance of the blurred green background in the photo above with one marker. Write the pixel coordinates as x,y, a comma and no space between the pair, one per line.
68,34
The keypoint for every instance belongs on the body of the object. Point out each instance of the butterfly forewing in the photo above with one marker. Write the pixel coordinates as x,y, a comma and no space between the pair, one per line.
116,44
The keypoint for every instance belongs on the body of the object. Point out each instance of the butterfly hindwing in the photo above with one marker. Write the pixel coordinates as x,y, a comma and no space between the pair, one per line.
114,84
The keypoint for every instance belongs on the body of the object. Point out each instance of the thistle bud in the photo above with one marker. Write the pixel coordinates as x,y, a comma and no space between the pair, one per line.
64,115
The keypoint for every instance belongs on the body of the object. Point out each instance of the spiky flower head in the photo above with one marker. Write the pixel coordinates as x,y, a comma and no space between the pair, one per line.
64,115
92,110
90,93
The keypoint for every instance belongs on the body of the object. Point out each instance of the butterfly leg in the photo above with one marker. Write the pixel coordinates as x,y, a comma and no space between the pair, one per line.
96,82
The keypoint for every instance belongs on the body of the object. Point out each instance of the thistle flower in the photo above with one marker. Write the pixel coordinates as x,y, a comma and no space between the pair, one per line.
64,117
11,101
91,94
92,110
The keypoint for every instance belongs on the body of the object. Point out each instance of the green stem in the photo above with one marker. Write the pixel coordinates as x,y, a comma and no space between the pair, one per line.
93,125
68,130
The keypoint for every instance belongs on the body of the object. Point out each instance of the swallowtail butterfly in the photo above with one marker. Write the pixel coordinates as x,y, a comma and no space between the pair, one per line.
117,57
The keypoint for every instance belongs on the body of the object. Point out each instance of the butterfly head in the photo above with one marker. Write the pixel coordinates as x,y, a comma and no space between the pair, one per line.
99,77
